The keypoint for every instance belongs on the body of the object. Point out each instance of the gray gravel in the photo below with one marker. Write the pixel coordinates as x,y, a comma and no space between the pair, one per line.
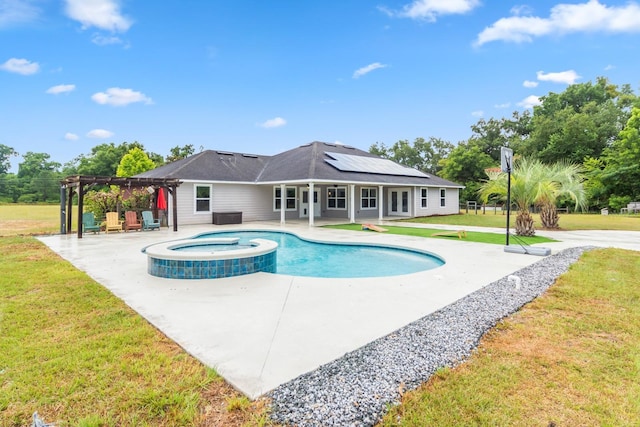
356,389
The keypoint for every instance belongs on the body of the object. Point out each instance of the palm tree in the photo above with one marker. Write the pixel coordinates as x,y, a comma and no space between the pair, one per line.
567,180
534,183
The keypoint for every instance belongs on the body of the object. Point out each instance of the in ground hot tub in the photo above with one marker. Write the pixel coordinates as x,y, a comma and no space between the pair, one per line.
210,258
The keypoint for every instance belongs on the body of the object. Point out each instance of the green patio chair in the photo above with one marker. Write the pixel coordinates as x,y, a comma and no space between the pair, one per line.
148,223
89,223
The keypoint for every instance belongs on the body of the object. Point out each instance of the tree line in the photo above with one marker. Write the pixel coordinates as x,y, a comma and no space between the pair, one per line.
38,178
594,126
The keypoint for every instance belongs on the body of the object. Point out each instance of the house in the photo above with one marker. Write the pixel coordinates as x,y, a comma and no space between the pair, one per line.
315,180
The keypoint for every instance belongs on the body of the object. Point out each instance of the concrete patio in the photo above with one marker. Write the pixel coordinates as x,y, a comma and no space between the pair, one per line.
259,331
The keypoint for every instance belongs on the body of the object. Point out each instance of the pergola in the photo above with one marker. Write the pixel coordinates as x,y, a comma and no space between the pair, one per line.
82,183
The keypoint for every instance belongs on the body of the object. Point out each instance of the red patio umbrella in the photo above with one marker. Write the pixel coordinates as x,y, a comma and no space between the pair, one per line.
161,203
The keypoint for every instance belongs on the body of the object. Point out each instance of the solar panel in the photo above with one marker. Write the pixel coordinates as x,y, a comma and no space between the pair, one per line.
351,163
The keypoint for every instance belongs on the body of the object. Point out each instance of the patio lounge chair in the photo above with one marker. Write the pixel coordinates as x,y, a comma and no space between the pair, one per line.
148,223
131,221
113,222
89,223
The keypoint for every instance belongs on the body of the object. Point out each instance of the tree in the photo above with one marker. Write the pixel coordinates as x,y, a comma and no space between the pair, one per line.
490,136
5,155
466,165
38,178
134,162
534,183
177,152
421,154
104,158
565,181
33,163
577,123
621,173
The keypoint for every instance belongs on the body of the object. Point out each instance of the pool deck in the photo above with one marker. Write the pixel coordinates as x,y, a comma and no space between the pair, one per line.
259,331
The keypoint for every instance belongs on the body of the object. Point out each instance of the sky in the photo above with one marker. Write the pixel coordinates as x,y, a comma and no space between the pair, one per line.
263,77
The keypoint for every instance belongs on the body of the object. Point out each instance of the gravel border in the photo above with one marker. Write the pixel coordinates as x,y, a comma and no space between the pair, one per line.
357,389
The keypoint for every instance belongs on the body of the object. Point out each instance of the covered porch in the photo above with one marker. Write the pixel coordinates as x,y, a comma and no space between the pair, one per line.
330,201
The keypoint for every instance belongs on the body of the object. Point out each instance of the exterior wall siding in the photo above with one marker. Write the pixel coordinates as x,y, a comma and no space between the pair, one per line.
256,203
433,198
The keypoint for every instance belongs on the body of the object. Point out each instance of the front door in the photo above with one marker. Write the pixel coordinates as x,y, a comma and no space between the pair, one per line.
304,204
398,202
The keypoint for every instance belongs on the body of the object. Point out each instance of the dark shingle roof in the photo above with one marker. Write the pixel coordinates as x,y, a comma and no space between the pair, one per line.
303,163
211,165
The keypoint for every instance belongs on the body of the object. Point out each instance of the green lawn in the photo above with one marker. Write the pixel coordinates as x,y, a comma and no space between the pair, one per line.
567,221
78,355
471,236
569,358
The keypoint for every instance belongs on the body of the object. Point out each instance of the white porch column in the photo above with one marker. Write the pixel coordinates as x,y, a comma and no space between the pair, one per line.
312,206
352,203
380,203
283,205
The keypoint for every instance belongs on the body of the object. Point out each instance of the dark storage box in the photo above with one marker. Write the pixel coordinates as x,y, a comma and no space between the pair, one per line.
221,218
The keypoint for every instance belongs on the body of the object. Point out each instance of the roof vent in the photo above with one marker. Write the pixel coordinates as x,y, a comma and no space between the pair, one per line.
225,153
328,144
251,156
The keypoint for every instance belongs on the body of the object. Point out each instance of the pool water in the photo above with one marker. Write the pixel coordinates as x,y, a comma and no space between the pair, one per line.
300,257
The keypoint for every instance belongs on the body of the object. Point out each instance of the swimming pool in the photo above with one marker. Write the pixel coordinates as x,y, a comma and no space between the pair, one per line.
301,257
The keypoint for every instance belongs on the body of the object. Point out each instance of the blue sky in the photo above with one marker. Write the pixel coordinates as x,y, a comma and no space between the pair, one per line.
266,76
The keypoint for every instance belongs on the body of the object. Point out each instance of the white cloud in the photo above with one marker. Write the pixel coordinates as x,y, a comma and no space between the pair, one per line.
505,105
609,67
530,101
119,97
591,16
55,90
429,10
14,12
101,40
478,113
71,136
20,66
103,14
273,123
99,134
568,77
529,83
369,68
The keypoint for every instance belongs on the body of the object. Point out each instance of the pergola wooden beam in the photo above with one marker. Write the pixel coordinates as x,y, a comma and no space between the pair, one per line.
82,181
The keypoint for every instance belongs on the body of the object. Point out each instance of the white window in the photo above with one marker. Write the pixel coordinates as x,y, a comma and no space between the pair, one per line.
290,198
337,198
424,197
443,197
368,198
202,198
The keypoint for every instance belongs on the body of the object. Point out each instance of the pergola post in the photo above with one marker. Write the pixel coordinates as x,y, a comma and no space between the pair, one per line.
80,208
69,209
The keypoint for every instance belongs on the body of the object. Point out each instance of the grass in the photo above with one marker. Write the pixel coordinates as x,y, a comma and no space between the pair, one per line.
571,357
76,354
472,236
31,219
567,221
79,356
